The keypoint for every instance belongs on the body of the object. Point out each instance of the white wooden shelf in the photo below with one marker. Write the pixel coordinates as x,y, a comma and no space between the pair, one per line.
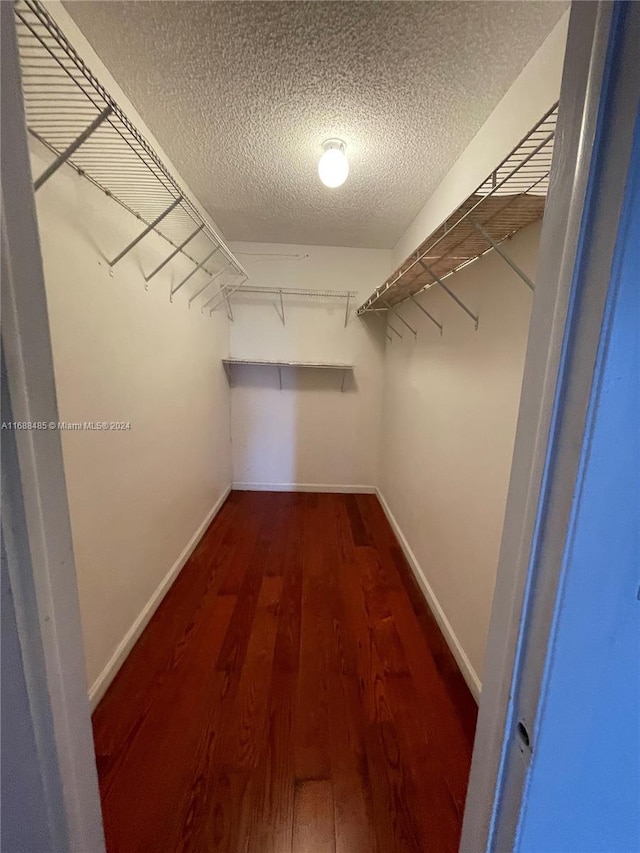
258,362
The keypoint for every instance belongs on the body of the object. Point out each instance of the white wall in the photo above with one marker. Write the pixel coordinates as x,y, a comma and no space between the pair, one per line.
122,353
450,403
138,499
309,433
449,419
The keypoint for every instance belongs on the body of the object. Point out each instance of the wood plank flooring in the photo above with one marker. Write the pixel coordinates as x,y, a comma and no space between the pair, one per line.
292,694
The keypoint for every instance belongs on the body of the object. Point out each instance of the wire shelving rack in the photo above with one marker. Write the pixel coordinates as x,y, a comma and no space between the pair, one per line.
72,114
512,197
299,292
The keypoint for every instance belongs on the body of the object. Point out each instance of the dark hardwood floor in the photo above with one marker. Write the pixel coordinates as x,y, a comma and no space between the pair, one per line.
292,694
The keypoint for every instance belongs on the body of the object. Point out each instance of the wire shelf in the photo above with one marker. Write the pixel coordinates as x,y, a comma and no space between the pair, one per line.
319,365
228,363
512,197
293,291
281,292
67,106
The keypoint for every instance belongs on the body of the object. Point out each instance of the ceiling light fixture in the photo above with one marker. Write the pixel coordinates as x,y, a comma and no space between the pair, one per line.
333,166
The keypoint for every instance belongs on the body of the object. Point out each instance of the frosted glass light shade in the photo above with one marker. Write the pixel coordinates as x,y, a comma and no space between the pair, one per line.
333,166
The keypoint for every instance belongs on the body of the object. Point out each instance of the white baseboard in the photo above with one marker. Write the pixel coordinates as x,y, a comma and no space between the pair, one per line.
304,487
467,670
102,682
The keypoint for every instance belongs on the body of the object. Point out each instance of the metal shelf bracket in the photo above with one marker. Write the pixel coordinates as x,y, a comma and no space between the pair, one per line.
175,289
146,231
207,285
402,320
502,254
450,293
395,331
204,287
176,251
64,156
424,311
346,311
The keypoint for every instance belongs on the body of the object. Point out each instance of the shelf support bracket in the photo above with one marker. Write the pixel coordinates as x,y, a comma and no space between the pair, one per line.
450,292
402,320
502,253
146,231
226,290
175,289
228,305
174,253
282,312
344,376
424,311
346,313
62,158
399,334
216,295
280,377
198,292
376,313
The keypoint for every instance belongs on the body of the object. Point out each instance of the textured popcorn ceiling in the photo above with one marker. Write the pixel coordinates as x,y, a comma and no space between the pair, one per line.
242,94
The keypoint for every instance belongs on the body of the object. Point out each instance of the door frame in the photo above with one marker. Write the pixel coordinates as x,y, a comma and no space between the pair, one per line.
594,138
556,390
36,528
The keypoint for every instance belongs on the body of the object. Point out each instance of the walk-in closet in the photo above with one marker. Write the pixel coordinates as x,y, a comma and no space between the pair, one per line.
290,253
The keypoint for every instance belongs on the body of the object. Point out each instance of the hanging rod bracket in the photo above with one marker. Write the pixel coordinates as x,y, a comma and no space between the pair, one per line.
62,158
505,257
